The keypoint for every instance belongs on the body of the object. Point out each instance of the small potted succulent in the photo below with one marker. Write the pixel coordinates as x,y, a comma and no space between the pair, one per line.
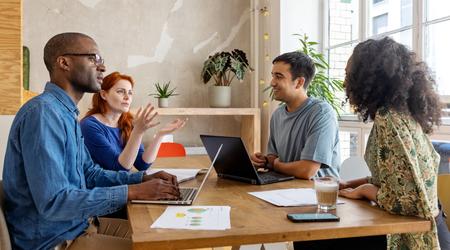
163,92
223,67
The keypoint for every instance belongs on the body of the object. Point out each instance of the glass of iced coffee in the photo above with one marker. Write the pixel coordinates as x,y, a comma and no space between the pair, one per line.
326,192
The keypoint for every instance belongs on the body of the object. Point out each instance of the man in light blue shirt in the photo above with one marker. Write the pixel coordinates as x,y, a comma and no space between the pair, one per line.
304,138
52,187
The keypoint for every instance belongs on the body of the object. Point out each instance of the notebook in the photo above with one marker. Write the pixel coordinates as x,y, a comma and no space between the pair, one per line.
187,194
234,161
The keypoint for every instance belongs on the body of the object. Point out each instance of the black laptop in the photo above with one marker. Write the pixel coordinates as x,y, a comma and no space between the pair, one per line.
234,161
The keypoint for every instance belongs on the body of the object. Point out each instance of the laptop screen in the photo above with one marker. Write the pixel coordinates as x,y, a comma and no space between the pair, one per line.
208,172
234,159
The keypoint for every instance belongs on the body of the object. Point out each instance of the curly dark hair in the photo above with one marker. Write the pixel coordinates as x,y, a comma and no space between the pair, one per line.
385,74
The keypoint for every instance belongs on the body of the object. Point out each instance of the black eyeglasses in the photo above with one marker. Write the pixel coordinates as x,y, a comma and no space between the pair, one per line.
96,58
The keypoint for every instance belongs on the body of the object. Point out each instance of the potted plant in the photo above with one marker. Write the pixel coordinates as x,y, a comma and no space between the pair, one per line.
322,85
163,92
223,67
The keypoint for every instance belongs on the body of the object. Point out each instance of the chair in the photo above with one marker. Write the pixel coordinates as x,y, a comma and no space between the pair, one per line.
171,149
5,242
443,148
444,193
354,167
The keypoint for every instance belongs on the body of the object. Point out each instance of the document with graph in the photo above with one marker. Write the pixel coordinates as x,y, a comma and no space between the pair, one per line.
195,218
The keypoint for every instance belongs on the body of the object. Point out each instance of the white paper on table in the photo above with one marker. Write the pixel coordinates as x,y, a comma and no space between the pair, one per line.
183,174
289,197
194,218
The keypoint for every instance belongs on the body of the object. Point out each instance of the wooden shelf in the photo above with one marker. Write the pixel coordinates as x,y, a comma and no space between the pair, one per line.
250,122
208,111
10,56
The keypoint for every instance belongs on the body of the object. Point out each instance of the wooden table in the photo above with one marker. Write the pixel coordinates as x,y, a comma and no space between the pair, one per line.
255,221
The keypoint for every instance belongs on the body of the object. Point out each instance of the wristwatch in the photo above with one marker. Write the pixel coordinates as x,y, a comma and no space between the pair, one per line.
267,164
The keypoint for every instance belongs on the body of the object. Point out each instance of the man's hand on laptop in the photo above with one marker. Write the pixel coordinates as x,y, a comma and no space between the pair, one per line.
258,160
161,175
263,161
154,189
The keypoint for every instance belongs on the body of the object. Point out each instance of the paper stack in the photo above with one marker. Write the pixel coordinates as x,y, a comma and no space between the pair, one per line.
289,197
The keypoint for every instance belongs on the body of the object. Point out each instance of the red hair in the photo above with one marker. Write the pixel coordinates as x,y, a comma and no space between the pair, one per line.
100,106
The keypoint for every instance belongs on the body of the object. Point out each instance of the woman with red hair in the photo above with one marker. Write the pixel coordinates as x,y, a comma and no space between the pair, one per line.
111,134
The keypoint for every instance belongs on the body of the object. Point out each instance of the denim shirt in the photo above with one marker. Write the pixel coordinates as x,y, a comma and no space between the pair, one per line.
51,184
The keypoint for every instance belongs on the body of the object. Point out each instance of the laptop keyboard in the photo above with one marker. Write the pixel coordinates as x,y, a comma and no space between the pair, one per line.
187,193
267,177
271,176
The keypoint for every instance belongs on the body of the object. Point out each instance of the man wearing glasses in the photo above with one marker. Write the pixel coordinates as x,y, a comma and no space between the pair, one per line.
53,190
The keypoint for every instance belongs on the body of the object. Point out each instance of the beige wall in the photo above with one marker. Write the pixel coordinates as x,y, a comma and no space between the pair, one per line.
174,37
151,40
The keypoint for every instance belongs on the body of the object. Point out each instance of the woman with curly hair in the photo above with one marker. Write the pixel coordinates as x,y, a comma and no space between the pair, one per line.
387,85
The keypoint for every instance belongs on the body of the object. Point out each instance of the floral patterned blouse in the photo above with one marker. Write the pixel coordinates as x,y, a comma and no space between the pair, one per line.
404,165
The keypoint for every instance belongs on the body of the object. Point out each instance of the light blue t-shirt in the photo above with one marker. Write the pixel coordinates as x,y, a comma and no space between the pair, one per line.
309,133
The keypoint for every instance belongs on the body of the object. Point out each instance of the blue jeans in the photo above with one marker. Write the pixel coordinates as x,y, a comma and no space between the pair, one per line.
443,233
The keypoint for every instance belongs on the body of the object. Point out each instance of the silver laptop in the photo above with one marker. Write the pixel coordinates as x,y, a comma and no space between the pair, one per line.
187,194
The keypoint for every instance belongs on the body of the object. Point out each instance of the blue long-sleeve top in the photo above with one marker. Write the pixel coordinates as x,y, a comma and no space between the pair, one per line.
105,145
51,184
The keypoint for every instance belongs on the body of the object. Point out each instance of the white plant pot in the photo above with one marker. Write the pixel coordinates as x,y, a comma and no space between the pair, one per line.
163,102
219,96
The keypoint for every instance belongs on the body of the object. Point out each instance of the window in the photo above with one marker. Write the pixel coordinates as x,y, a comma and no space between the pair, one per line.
353,138
352,21
437,52
379,24
343,27
388,18
343,21
436,9
405,13
403,37
349,142
436,25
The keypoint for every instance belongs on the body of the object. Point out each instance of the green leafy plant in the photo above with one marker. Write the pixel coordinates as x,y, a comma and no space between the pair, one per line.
224,66
322,87
163,91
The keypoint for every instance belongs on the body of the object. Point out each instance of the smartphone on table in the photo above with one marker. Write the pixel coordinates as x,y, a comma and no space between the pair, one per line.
312,217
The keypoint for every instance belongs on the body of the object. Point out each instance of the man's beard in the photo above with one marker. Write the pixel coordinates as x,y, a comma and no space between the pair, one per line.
86,86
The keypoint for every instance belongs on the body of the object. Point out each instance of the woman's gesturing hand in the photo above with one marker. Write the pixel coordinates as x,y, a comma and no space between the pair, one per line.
169,128
143,119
